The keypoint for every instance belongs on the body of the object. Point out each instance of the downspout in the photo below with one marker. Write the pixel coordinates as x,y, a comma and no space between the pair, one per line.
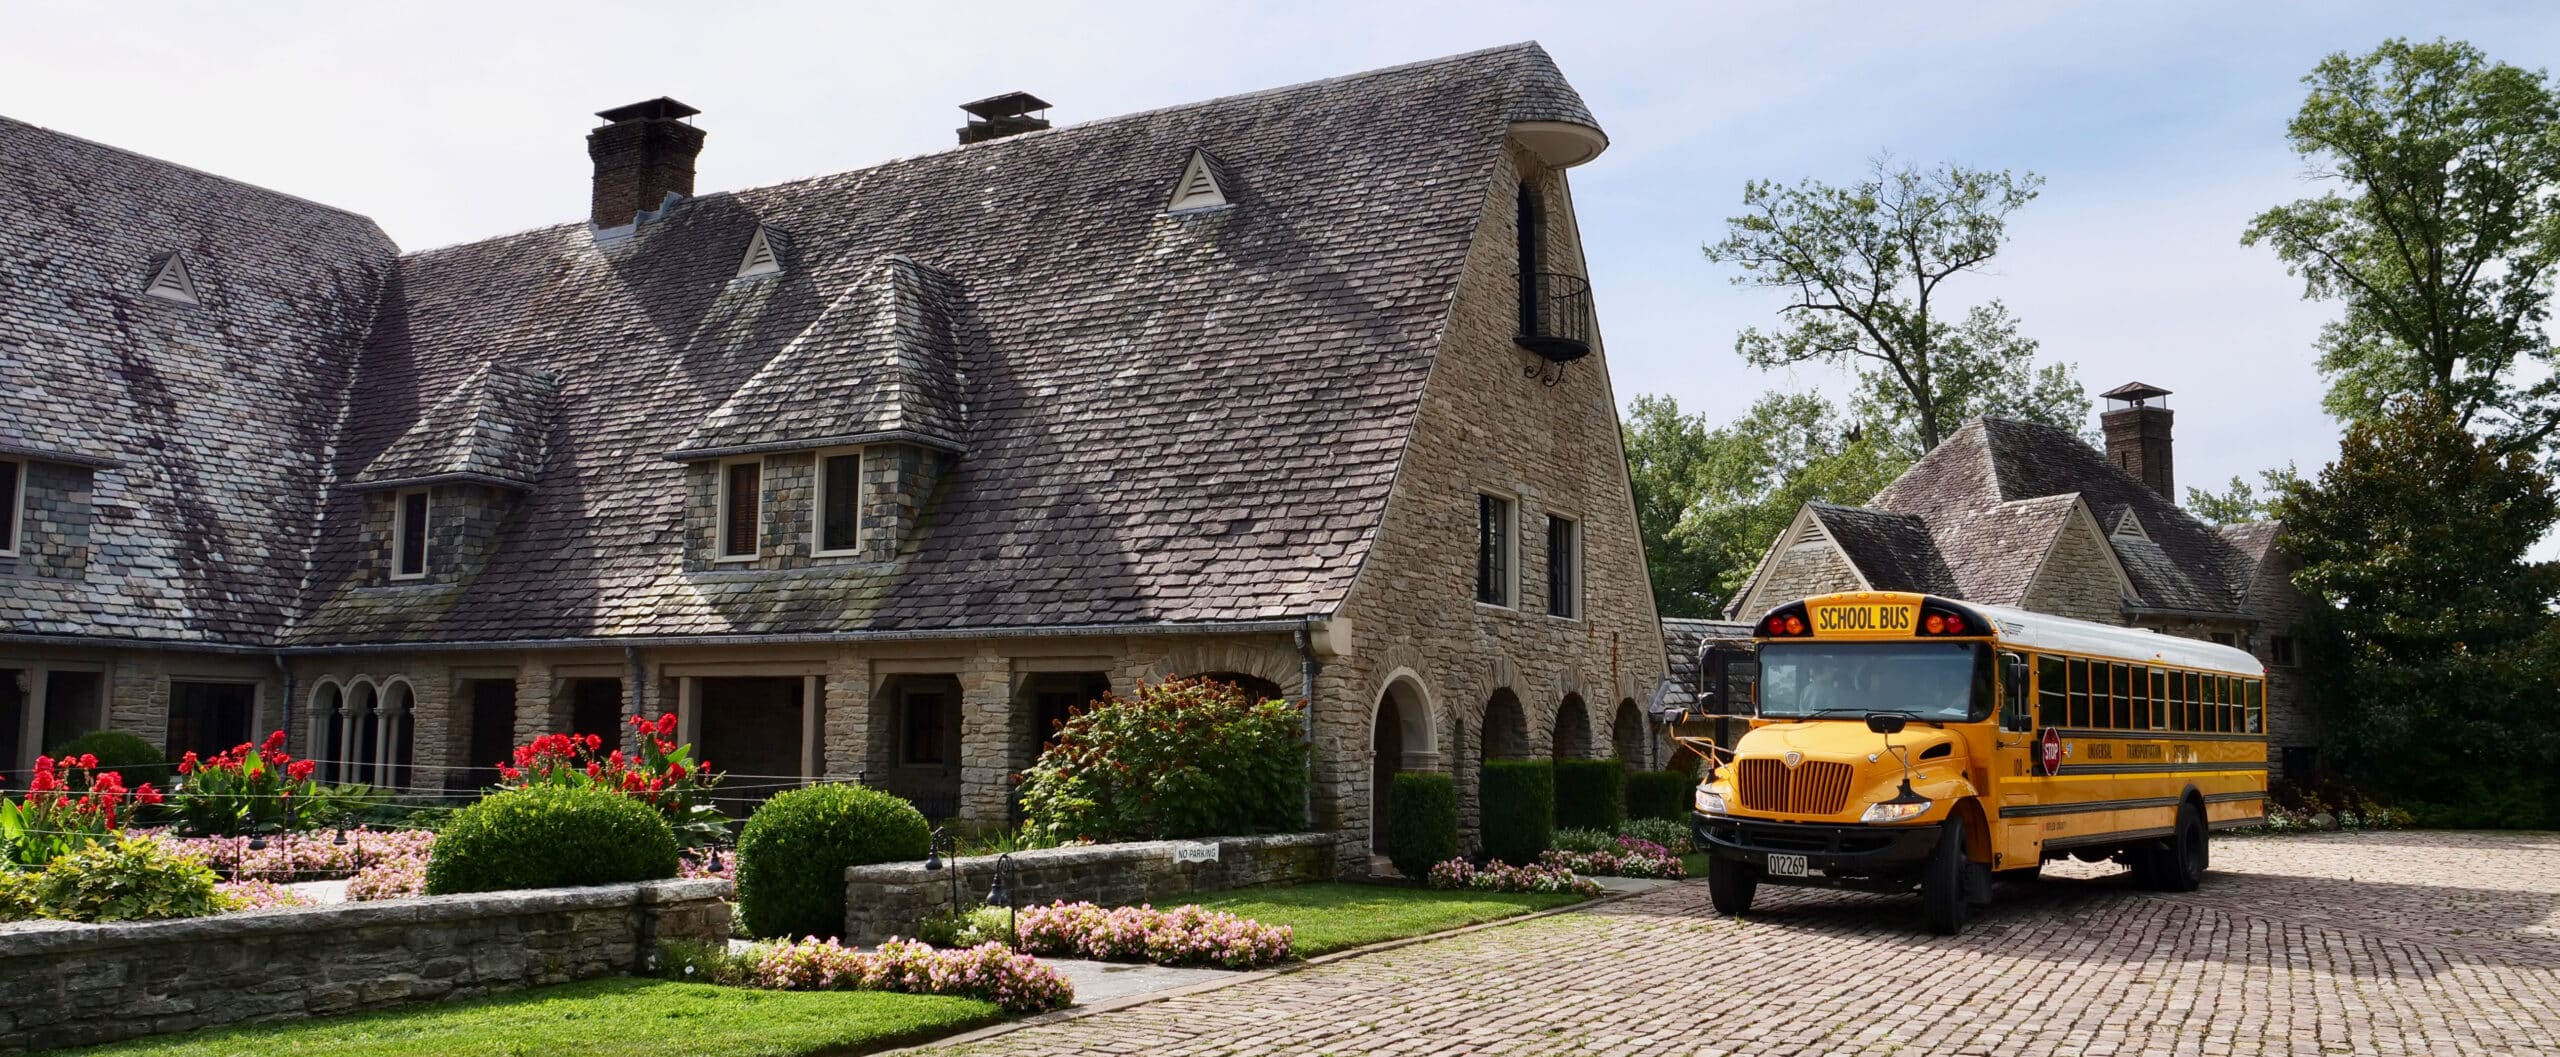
1307,668
284,675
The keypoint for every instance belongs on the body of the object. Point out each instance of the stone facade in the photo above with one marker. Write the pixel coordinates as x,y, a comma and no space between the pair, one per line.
2079,577
64,984
891,898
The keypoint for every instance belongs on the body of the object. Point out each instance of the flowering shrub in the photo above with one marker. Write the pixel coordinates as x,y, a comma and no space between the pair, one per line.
662,774
1629,858
1672,834
1502,877
305,856
1183,758
69,805
389,879
249,789
1184,935
257,895
2294,808
1016,982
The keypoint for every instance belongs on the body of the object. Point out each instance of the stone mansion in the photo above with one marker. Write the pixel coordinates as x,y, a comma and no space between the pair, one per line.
867,476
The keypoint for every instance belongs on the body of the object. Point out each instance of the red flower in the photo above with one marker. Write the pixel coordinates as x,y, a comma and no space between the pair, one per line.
147,795
301,770
675,772
187,763
89,760
667,725
275,742
594,742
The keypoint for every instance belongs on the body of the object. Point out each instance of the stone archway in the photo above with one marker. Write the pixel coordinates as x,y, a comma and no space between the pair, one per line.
1255,687
1572,735
1400,739
1628,736
1505,734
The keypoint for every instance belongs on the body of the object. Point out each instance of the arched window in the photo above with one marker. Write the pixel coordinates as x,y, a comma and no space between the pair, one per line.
328,743
364,733
1506,728
1572,740
399,725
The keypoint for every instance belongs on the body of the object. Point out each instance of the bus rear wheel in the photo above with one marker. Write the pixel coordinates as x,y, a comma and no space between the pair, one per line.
2176,864
1942,901
1731,884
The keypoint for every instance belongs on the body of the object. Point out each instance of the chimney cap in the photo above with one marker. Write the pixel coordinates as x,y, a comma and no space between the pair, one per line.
660,108
1010,104
2136,392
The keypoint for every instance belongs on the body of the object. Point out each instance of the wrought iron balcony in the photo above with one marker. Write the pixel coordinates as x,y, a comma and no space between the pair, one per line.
1555,315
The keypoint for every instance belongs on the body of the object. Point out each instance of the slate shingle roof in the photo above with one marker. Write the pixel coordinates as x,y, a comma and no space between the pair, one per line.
494,428
883,361
1681,639
1166,418
1993,496
219,415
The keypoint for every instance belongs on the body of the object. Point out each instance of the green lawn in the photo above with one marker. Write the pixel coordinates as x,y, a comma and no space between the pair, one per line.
603,1018
1695,863
1331,917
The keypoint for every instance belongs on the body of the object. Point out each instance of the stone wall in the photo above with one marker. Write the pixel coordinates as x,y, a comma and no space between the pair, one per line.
64,984
2079,577
891,898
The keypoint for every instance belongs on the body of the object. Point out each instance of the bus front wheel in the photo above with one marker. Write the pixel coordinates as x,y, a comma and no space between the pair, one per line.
1942,896
1731,884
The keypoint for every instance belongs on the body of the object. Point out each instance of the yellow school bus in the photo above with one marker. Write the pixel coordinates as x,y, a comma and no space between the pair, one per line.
1903,741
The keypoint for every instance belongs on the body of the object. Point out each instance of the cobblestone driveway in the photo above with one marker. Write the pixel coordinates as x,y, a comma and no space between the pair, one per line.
2347,943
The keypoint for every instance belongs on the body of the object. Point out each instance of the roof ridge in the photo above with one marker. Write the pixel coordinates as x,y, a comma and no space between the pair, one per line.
206,173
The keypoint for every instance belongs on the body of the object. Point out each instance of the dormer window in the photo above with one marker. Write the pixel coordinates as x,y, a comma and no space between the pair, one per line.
13,498
409,535
741,509
172,281
839,520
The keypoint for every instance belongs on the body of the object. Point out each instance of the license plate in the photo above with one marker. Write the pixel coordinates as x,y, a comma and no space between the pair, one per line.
1786,866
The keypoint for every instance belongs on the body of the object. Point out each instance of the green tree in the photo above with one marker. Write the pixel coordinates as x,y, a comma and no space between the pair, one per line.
2441,245
1710,499
2449,690
2240,501
1864,266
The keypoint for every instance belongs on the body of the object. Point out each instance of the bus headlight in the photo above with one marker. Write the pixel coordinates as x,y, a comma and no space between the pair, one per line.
1709,801
1897,809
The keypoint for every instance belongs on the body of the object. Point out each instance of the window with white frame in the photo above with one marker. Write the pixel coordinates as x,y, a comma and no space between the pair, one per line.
1564,566
1494,565
741,508
13,499
839,520
409,534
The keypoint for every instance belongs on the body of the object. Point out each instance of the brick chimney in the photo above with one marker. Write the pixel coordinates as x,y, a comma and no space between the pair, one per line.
643,152
998,116
2137,423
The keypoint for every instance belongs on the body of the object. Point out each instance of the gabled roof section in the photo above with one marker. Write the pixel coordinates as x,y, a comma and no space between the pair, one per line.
1203,184
883,362
173,280
1893,551
494,428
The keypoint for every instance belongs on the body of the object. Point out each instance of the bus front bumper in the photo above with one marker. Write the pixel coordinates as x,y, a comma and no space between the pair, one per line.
1832,854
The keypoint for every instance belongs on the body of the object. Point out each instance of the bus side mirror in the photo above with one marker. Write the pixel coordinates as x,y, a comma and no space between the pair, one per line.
2015,668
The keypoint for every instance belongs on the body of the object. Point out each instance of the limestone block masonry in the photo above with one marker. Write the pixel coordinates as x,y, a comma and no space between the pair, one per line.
64,984
889,899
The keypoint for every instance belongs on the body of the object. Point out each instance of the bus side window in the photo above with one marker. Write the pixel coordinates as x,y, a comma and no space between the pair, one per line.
2195,702
2230,705
2177,699
2257,707
2049,692
2159,699
2121,715
2140,717
2079,693
2014,673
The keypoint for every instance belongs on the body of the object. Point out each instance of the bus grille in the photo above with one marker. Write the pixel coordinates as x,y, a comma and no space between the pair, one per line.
1816,787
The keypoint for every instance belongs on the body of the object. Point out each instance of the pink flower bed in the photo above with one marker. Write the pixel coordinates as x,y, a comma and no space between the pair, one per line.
988,971
718,864
258,895
1184,935
1633,858
1501,877
308,856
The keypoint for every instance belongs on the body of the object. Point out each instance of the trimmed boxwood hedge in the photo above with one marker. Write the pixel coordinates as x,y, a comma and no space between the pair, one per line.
550,837
1590,794
135,760
1659,794
1422,822
794,850
1519,798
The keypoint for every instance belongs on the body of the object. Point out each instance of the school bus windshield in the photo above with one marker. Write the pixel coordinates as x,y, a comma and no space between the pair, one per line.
1935,681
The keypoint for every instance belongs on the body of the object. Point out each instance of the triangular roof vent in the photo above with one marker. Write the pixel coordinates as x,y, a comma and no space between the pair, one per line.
764,254
172,282
2129,526
1203,185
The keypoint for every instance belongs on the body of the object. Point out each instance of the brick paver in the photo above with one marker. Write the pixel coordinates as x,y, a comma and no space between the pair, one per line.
2401,943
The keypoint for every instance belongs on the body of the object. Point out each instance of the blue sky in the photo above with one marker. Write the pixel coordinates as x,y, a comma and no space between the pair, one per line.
2158,126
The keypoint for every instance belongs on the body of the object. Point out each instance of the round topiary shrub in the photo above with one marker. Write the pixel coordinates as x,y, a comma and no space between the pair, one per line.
1519,798
1659,794
1590,794
794,850
550,837
138,761
1422,822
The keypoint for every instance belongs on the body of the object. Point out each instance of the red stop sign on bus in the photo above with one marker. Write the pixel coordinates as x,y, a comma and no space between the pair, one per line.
2049,750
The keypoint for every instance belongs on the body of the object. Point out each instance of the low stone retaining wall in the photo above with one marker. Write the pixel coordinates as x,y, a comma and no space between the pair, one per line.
890,898
65,984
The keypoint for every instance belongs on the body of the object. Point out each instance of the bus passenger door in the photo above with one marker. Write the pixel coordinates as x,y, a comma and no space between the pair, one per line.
2014,776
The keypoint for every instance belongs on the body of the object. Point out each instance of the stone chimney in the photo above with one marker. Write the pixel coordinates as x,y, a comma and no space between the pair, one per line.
1010,114
2137,423
643,153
